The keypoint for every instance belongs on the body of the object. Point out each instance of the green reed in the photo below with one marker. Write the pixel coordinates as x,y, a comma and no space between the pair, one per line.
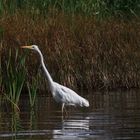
32,90
13,75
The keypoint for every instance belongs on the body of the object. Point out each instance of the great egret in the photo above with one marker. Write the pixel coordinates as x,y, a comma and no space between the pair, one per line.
60,93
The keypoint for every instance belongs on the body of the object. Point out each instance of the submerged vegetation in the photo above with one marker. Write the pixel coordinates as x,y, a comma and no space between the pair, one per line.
86,44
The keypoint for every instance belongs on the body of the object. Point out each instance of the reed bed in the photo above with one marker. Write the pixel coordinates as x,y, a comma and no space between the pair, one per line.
13,76
80,52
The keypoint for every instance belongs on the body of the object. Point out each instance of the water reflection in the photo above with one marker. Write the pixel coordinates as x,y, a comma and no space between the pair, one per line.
112,115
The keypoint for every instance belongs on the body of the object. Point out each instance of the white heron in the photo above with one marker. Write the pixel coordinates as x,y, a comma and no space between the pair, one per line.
60,93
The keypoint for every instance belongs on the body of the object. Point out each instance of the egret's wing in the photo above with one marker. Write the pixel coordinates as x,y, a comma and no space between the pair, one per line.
64,95
69,97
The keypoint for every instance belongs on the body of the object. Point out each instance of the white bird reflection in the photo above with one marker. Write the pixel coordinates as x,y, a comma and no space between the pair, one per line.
72,128
76,124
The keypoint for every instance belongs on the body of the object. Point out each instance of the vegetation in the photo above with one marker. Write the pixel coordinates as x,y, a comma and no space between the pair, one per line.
32,90
83,53
86,44
100,8
13,76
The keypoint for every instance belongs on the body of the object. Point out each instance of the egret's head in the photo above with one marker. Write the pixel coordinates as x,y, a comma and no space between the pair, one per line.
32,47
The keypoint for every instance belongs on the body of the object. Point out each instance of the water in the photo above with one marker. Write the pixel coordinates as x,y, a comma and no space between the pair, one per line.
111,116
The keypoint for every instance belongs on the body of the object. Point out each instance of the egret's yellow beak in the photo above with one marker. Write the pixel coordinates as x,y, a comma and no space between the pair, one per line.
26,47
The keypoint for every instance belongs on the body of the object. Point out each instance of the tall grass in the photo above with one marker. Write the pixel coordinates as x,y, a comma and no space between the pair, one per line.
83,52
101,8
13,75
32,90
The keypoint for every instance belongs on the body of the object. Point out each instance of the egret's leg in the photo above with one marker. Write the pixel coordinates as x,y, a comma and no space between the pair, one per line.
63,107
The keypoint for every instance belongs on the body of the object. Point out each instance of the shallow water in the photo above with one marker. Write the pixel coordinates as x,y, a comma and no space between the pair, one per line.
111,116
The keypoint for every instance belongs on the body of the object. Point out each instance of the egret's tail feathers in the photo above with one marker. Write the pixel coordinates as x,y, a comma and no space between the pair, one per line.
85,103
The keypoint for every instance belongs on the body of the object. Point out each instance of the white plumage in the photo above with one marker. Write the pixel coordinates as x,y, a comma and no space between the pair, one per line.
60,93
67,96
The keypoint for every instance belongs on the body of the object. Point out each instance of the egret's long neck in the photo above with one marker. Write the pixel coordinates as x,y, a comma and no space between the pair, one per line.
49,78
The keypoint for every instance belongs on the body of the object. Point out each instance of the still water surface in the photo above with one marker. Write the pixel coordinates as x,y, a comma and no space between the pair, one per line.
111,116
